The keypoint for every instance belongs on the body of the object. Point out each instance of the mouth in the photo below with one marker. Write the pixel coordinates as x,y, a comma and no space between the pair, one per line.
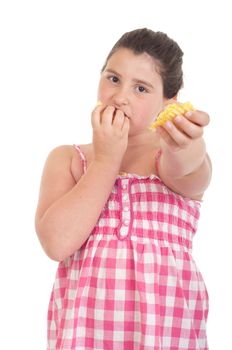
127,116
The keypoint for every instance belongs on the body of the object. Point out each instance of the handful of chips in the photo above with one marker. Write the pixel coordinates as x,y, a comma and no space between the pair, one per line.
170,112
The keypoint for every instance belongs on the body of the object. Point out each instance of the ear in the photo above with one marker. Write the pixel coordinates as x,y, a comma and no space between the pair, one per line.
169,101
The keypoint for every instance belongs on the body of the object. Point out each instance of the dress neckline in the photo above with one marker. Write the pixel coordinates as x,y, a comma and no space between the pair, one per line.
123,174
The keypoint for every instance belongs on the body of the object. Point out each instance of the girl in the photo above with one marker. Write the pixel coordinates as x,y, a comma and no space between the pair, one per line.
120,214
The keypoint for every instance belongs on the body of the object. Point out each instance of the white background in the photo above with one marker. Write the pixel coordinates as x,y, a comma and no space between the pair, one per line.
51,56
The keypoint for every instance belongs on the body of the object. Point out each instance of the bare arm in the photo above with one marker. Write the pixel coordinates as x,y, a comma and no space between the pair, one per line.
185,167
68,211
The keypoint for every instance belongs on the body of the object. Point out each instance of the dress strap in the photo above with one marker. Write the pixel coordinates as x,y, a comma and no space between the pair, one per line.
82,156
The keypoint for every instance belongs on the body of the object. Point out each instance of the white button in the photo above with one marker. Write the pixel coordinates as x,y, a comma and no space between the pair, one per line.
126,208
125,197
126,222
124,186
123,232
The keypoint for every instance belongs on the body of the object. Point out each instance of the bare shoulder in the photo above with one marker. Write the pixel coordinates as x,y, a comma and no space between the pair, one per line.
59,160
63,151
85,154
57,177
67,159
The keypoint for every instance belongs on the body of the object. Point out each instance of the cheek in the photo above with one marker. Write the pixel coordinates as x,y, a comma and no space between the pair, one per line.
99,90
147,111
157,108
103,91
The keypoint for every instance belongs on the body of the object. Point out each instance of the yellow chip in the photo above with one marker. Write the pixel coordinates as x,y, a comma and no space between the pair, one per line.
99,103
171,111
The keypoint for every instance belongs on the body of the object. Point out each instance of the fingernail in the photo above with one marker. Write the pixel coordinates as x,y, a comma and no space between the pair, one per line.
168,124
178,118
189,114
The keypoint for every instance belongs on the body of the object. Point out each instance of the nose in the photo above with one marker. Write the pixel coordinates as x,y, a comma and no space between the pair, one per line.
121,97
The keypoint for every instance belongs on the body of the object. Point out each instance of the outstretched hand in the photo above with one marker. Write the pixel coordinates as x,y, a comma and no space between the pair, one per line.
183,129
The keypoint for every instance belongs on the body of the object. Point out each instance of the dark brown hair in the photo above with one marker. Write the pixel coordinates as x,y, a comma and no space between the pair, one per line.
165,51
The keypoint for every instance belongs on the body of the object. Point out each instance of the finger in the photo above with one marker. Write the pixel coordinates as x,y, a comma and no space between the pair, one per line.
166,137
198,117
118,119
126,126
180,138
191,129
96,115
107,116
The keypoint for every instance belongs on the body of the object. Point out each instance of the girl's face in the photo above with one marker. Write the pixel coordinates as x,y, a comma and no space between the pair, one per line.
131,83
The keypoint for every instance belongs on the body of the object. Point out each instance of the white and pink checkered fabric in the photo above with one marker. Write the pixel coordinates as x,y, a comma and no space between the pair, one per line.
134,283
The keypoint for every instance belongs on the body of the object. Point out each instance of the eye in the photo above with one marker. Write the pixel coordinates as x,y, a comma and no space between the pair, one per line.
113,78
141,89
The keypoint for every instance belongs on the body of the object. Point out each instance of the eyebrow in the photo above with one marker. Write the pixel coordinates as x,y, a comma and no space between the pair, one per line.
138,81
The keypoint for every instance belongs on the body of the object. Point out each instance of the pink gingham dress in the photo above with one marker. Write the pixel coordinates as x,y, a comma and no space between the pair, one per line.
133,285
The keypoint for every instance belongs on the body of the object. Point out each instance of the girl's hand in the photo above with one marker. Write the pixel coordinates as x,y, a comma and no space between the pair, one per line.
110,134
183,130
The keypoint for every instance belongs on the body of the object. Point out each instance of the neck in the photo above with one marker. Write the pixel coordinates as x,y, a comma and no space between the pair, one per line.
145,140
139,156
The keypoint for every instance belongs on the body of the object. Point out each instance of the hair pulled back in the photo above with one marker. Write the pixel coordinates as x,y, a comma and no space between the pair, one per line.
165,51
